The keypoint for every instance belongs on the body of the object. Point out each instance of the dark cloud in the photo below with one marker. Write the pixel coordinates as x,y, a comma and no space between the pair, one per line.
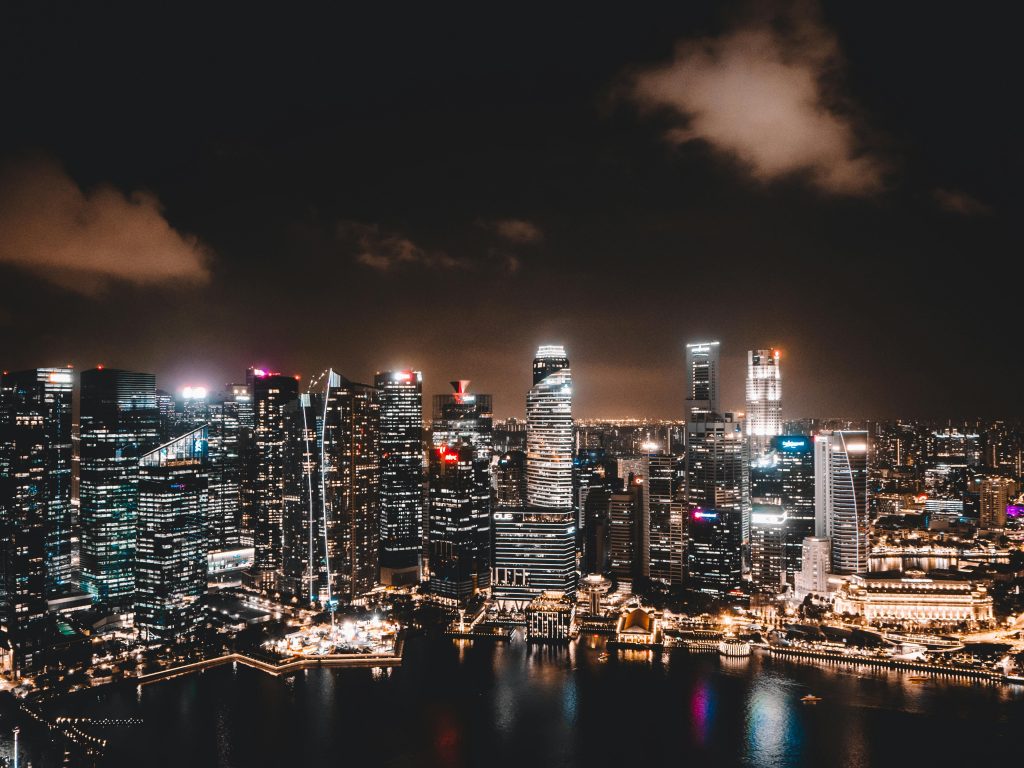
518,231
384,251
955,201
83,240
758,93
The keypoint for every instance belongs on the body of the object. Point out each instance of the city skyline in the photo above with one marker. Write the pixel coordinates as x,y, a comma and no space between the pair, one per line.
527,188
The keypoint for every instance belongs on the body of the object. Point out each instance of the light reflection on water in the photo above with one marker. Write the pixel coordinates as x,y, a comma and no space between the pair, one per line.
505,704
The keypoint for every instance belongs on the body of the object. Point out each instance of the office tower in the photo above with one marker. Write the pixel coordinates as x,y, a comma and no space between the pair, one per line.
996,493
534,552
628,531
332,535
225,469
167,413
702,378
717,475
713,557
119,422
549,431
510,480
35,505
271,395
763,419
794,457
170,571
401,475
238,408
767,546
460,493
840,497
37,404
666,520
460,522
815,566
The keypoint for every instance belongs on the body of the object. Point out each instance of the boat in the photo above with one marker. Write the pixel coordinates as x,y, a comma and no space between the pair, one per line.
917,678
810,698
603,657
733,646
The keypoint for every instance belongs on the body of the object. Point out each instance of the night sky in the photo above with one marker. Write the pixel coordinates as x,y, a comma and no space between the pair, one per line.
190,191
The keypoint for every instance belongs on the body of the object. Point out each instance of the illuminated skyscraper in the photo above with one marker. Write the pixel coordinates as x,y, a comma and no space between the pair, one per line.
767,546
170,571
794,468
35,503
332,534
713,551
667,518
460,522
549,431
510,480
763,419
401,475
119,422
702,377
840,497
38,403
717,473
460,493
272,393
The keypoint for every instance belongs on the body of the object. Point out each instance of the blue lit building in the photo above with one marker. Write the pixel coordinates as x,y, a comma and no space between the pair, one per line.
170,571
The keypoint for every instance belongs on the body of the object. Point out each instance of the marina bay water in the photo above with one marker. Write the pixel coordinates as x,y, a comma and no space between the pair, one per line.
487,703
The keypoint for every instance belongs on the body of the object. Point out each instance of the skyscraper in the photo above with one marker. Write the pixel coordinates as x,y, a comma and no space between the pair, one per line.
840,497
628,532
717,472
35,503
666,518
549,431
767,546
702,377
794,455
460,522
272,393
535,547
510,480
460,493
763,419
401,475
713,554
119,422
332,534
37,402
170,572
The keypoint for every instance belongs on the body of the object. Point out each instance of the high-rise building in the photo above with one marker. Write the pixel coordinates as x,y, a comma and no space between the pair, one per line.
510,480
272,393
763,418
713,550
170,571
794,457
460,522
228,440
401,475
666,519
995,495
460,493
35,504
38,404
702,378
534,552
628,532
767,546
840,497
717,473
332,534
119,422
549,431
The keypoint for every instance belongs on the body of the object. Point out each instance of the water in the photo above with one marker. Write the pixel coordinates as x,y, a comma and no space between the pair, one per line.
489,704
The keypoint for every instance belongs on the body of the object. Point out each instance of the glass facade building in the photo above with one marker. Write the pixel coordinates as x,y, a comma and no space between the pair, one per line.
841,497
549,432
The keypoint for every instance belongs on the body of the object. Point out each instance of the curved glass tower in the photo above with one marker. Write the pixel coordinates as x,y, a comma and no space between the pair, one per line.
549,439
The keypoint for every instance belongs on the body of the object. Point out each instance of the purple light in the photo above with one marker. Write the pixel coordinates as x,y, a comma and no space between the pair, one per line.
1015,510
